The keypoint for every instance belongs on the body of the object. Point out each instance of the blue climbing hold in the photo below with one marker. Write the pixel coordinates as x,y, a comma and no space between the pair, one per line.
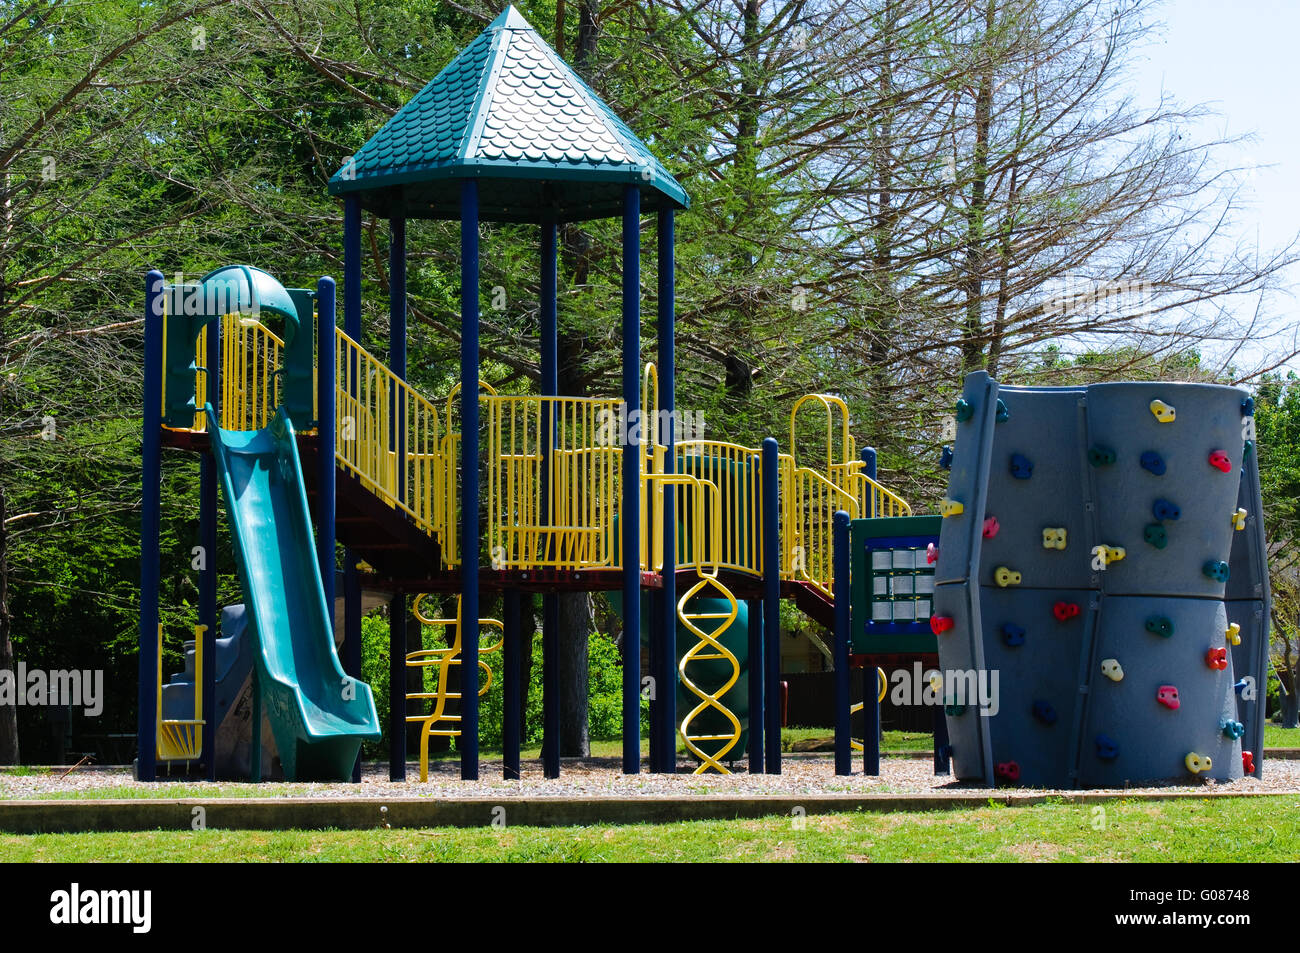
1022,468
1232,729
1002,414
1247,448
1248,407
1013,635
1107,748
1241,685
1216,569
1163,510
1153,462
1044,712
945,458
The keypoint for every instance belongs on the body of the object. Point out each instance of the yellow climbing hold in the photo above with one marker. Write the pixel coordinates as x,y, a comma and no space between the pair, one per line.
1006,577
1233,634
1196,763
1114,554
951,508
1239,518
1054,537
1163,412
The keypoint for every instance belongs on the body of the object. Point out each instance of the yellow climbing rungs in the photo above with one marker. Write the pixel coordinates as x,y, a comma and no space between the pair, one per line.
443,659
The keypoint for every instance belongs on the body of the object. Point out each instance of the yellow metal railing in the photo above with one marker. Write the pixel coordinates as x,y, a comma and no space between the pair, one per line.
574,525
181,739
250,356
376,412
441,660
808,504
709,647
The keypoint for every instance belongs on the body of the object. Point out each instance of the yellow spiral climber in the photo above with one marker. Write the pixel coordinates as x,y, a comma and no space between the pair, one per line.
709,648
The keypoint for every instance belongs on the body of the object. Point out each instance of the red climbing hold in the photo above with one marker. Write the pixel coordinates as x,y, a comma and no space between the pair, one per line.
1217,659
939,624
991,527
1065,610
931,553
1247,762
1167,695
1007,770
1219,460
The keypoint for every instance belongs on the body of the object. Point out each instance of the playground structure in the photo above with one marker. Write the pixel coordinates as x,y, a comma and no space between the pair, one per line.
303,421
1058,561
1102,549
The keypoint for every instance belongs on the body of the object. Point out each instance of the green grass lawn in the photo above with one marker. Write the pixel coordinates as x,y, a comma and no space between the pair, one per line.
1275,736
1255,829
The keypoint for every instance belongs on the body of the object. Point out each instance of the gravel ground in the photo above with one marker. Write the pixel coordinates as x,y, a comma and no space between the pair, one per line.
595,778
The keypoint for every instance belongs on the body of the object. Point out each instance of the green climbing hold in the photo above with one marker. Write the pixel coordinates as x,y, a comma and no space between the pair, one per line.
1003,414
963,411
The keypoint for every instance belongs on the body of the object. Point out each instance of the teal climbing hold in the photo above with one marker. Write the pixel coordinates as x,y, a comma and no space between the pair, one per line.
963,411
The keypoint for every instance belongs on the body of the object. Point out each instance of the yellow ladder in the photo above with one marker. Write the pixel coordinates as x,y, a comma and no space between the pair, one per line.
709,648
443,659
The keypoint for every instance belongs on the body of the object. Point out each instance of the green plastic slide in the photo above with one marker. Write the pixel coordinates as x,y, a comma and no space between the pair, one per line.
319,716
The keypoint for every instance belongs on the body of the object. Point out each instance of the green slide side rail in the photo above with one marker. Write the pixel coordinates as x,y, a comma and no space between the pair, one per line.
319,716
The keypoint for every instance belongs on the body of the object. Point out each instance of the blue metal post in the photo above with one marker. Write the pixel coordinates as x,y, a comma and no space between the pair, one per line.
840,561
352,267
549,335
150,518
771,608
869,458
352,629
208,575
469,519
510,685
755,686
397,622
870,721
325,490
630,523
397,340
664,727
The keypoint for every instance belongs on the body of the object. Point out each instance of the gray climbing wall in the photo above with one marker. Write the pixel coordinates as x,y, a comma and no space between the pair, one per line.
1090,565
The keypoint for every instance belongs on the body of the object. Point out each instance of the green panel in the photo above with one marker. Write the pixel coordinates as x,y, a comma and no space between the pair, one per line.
892,585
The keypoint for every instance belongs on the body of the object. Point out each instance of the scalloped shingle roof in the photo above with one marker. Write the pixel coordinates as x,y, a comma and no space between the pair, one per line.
508,112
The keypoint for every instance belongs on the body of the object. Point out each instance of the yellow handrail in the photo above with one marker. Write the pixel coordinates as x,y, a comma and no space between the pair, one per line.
375,412
443,659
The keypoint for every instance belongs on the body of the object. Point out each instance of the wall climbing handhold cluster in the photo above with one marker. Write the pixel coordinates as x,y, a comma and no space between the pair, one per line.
1116,527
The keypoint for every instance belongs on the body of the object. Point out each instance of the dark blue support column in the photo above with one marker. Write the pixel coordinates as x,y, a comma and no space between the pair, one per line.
869,458
397,622
325,499
840,561
150,517
397,340
664,727
352,629
630,522
771,608
208,575
870,721
469,520
942,746
755,607
549,335
511,694
550,686
352,267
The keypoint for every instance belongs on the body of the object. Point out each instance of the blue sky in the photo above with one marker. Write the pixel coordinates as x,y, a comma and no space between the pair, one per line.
1241,58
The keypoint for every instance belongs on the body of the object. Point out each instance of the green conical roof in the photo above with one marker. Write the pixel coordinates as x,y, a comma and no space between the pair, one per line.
508,112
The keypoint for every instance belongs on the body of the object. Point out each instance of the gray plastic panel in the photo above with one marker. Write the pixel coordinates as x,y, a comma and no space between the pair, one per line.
959,538
1154,740
961,648
1044,669
1207,419
1045,428
1249,660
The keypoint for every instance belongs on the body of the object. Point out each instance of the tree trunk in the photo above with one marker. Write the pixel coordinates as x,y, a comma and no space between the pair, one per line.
1291,707
973,346
8,713
575,635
